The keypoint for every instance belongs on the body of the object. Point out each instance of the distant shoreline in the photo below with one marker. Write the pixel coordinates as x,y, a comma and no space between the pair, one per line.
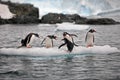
28,14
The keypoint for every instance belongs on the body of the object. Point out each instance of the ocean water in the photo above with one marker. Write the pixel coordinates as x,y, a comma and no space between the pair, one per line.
90,66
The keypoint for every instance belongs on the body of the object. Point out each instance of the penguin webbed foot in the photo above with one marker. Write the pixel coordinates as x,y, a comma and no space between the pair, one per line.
89,46
68,51
28,46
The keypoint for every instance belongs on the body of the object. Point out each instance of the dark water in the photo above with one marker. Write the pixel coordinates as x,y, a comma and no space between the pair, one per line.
79,67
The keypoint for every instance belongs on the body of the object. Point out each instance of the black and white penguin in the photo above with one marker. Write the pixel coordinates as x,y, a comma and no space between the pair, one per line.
49,41
29,39
68,40
90,38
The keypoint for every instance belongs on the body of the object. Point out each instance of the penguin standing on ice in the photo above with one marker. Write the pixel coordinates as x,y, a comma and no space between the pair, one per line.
49,41
90,38
68,40
28,40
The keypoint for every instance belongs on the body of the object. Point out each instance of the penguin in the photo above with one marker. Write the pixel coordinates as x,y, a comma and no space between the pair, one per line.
49,41
28,40
68,40
69,37
89,39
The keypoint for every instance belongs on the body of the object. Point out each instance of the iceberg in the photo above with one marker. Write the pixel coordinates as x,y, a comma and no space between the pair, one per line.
71,26
45,52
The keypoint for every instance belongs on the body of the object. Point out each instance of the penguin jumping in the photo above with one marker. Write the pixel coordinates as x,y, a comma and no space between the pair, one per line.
49,41
90,38
28,40
68,40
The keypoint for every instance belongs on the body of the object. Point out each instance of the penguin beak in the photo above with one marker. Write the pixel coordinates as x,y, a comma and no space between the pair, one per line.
55,38
40,36
94,30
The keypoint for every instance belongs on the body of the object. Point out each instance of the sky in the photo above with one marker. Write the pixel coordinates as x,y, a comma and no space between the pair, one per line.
82,7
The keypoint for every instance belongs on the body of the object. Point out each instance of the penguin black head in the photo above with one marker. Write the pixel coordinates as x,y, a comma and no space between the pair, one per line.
65,33
23,42
36,35
52,36
92,30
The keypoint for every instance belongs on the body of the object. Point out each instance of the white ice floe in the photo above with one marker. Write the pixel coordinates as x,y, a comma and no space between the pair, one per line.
42,51
5,12
71,26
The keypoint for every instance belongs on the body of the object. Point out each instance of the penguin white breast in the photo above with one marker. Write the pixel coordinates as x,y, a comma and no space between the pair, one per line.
90,37
31,39
68,38
48,42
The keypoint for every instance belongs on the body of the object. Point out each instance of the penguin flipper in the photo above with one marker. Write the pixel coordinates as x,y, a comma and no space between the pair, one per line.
52,42
73,35
86,38
61,45
76,44
43,41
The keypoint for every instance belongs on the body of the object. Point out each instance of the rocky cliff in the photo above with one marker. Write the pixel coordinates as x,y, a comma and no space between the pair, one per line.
53,18
24,13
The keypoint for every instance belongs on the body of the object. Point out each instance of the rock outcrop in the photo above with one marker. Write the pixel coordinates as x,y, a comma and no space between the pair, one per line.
53,18
24,14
